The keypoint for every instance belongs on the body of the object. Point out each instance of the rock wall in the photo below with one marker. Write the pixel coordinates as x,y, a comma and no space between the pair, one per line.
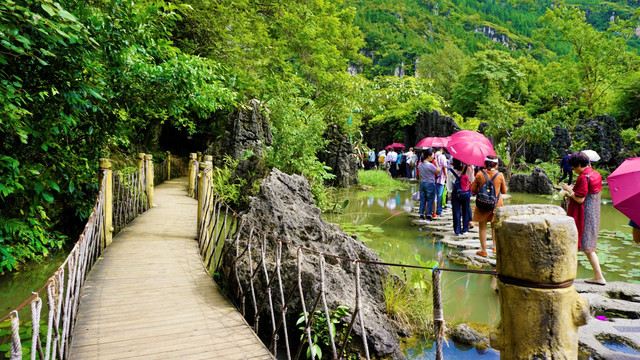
286,210
536,183
601,134
247,130
427,124
340,157
431,124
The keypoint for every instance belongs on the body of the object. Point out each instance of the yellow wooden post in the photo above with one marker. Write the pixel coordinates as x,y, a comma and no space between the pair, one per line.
540,309
205,165
141,181
105,171
148,160
199,156
193,173
168,165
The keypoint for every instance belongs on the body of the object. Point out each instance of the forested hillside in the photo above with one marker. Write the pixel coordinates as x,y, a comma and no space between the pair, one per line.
81,80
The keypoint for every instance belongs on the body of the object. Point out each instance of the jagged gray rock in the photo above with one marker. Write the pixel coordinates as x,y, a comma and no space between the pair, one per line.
430,124
247,130
536,183
464,334
285,208
601,134
340,157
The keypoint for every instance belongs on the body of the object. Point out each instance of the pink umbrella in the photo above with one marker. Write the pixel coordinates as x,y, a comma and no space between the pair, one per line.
395,146
624,184
433,141
470,147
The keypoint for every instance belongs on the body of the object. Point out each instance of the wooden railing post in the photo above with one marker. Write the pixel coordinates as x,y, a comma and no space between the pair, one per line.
148,160
199,156
168,165
193,173
205,165
105,171
141,181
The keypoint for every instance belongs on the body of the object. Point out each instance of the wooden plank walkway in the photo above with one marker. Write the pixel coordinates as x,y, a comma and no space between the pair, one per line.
149,296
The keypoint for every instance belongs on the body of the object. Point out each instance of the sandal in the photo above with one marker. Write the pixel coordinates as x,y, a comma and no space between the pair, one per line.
596,281
481,253
494,250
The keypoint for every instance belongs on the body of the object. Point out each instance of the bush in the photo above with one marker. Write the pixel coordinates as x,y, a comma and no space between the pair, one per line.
380,180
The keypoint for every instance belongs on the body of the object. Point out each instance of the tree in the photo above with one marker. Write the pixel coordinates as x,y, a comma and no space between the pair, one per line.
599,57
444,68
492,73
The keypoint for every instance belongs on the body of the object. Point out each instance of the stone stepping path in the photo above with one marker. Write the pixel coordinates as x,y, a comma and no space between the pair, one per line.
619,298
442,228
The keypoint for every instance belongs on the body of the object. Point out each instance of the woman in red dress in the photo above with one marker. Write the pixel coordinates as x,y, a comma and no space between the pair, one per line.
584,208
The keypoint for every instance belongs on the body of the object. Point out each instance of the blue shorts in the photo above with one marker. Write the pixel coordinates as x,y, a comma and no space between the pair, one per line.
633,225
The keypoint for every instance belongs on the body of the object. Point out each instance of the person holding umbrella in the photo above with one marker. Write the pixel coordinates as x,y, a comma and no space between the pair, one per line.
584,208
625,192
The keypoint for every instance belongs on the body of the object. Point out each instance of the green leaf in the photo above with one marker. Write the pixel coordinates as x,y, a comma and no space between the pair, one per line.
66,15
53,185
48,9
47,196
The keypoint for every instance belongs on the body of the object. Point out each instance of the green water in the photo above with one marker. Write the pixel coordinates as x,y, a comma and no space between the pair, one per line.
469,297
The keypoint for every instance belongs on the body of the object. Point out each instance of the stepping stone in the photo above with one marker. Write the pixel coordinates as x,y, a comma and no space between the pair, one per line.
469,257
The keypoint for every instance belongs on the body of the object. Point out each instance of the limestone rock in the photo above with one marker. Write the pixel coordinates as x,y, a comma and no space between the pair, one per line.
340,157
561,141
247,130
284,207
464,334
430,124
602,134
536,183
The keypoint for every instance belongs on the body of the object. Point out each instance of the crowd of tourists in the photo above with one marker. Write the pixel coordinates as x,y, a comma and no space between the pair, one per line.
443,177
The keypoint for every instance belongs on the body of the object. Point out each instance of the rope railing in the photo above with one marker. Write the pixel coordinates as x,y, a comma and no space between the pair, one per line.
62,291
121,198
129,198
242,266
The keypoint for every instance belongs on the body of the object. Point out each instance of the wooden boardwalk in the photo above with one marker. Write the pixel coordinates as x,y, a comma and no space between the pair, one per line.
149,297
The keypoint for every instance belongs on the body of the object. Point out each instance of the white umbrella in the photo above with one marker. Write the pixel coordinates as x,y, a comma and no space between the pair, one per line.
592,155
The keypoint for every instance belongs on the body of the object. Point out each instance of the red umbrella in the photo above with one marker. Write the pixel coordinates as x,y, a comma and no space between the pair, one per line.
624,184
433,142
470,147
395,146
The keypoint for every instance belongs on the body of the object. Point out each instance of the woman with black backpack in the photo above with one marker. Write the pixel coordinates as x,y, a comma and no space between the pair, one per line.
488,185
459,179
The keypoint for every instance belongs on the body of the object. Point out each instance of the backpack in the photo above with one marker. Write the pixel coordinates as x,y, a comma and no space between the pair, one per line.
486,198
381,159
461,186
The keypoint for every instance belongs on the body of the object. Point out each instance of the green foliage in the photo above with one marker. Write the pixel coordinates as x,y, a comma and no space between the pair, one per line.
599,61
380,180
631,140
321,330
73,81
394,100
230,189
410,301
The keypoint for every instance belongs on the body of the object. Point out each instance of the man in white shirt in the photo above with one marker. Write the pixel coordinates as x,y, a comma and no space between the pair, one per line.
392,158
441,179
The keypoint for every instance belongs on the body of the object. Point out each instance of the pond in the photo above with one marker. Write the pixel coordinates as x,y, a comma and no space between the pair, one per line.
381,220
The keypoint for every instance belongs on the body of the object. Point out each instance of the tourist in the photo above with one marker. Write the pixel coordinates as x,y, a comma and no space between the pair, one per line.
427,173
382,155
441,180
391,159
460,205
584,208
372,159
410,159
566,169
635,231
401,162
485,216
414,163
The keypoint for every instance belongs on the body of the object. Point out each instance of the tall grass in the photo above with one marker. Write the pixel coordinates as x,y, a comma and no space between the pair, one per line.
380,180
408,305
